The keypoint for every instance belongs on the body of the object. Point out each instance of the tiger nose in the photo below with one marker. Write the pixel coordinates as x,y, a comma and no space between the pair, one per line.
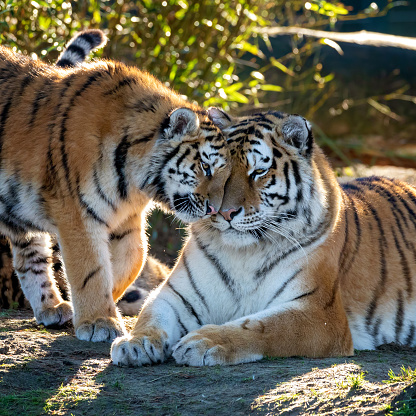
229,214
211,210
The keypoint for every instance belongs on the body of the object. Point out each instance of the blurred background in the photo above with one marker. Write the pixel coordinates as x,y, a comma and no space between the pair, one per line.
361,98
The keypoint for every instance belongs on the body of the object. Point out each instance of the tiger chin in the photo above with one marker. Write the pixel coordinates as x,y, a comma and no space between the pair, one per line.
293,264
84,150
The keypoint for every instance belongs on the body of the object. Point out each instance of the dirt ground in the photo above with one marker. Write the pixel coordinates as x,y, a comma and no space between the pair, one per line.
45,371
50,372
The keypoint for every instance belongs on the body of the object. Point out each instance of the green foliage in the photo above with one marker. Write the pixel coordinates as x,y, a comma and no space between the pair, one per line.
405,375
208,50
356,381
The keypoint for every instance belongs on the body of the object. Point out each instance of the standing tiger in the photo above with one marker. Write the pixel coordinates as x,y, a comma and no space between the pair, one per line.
292,264
82,152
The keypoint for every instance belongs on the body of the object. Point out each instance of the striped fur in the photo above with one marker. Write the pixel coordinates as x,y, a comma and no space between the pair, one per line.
83,151
293,263
80,46
153,273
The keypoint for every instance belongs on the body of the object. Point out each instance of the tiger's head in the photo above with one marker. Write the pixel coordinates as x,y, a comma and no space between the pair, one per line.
191,165
274,190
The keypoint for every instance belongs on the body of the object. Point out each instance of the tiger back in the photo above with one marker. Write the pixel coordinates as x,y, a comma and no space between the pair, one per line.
293,264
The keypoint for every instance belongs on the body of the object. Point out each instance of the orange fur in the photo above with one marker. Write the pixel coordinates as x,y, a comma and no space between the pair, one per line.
292,264
89,147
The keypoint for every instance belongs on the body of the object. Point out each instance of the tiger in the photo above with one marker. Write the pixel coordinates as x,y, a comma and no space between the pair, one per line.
84,152
153,273
292,264
74,53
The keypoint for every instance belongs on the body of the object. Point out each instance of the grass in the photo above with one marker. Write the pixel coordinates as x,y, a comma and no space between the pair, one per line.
356,381
29,403
406,408
406,375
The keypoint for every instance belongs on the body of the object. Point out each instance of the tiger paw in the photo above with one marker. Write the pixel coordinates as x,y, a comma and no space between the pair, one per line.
100,330
56,316
137,351
198,350
213,345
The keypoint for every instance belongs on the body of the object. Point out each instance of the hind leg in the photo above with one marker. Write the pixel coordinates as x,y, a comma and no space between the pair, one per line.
32,259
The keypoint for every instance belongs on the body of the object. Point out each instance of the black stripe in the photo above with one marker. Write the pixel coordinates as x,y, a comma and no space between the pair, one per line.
90,275
405,265
31,270
101,193
192,281
4,116
90,211
183,156
315,235
64,157
186,303
411,335
150,103
65,63
376,330
282,288
120,157
229,283
77,50
128,81
305,294
40,95
399,316
345,267
178,319
27,80
123,234
158,182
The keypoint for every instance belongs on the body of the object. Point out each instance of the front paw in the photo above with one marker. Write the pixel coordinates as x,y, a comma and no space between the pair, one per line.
200,348
56,316
140,350
102,329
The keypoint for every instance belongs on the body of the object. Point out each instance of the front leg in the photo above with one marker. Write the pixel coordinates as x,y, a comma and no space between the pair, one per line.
166,317
87,261
128,247
296,330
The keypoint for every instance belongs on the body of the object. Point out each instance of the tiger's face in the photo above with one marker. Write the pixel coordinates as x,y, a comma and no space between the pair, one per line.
195,165
271,194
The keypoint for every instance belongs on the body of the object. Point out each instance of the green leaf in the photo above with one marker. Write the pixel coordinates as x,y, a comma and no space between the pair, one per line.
253,49
283,68
237,97
233,87
271,87
173,72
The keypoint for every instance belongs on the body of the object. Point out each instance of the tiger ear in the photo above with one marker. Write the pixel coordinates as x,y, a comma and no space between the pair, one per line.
221,119
298,132
179,123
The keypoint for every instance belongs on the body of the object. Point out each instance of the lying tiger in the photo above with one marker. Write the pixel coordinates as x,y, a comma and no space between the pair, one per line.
292,264
83,151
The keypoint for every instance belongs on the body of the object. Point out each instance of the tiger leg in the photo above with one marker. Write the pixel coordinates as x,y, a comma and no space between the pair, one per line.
309,332
157,330
128,247
86,256
32,259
